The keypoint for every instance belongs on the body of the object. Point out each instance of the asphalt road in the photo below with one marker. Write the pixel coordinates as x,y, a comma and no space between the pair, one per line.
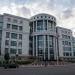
53,70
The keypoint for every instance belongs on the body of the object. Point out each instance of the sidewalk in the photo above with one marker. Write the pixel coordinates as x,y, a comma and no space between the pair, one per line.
40,65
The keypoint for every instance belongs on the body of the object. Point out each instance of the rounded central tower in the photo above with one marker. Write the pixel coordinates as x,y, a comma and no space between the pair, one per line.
43,36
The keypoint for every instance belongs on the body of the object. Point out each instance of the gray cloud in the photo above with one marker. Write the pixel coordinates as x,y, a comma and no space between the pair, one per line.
24,11
67,13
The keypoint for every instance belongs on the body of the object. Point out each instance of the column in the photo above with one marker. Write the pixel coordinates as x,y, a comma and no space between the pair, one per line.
36,47
33,26
33,46
43,25
36,26
47,24
48,48
44,46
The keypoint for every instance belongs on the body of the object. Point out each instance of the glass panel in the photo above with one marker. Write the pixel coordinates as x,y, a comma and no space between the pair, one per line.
13,51
19,51
20,44
34,26
15,21
14,35
39,25
7,42
6,50
1,25
45,24
8,26
14,27
50,24
20,28
20,36
7,34
13,43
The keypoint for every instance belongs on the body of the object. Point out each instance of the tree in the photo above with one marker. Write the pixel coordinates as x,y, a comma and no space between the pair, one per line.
7,57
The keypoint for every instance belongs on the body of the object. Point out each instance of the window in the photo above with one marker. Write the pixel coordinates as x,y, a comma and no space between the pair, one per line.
67,54
45,16
41,16
14,27
74,53
66,48
20,44
6,42
39,25
9,19
45,24
1,25
63,42
13,43
21,22
14,21
20,36
34,25
7,34
13,51
19,51
50,24
8,26
68,37
66,42
40,41
14,35
20,28
6,50
51,51
69,43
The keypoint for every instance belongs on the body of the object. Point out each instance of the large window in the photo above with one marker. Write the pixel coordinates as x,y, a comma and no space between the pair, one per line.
39,25
20,28
50,41
14,35
14,27
34,26
50,24
15,20
7,34
13,43
20,44
66,48
45,24
20,36
19,51
9,19
7,42
8,26
6,50
13,51
40,41
1,25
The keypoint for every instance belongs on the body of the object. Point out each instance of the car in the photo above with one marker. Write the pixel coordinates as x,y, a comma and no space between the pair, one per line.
11,66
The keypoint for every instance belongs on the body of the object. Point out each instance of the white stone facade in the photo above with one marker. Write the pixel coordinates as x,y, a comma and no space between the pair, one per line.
17,39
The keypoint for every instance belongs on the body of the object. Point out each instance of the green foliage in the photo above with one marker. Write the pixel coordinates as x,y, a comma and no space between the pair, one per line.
23,62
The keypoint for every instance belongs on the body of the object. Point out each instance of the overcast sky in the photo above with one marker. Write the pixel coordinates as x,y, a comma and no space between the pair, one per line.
63,10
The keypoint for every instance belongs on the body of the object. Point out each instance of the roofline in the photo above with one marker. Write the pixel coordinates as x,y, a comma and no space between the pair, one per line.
16,16
42,14
63,28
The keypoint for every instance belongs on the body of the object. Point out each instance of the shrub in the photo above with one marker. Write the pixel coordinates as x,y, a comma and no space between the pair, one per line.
23,62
